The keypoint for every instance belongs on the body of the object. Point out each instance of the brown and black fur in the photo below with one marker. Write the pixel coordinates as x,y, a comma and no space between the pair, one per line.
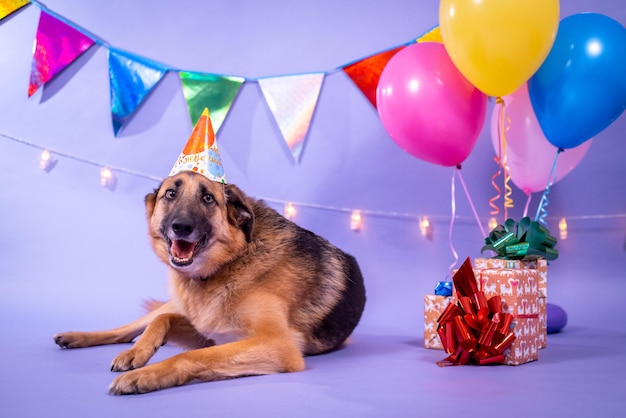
251,292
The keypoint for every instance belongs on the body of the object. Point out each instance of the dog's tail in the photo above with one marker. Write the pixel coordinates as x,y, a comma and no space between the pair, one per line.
150,305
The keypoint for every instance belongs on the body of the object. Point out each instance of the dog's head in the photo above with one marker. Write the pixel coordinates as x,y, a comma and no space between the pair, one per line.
197,225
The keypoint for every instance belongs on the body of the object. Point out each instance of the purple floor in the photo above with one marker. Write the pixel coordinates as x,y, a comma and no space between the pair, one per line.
75,256
580,373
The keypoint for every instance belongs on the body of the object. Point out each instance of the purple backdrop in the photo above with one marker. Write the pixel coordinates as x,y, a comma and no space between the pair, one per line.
76,255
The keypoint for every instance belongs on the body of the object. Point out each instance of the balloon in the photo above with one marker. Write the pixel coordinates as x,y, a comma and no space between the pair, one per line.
581,87
427,107
529,154
498,45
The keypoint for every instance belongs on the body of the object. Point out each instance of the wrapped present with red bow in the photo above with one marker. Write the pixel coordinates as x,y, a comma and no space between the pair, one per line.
434,305
481,330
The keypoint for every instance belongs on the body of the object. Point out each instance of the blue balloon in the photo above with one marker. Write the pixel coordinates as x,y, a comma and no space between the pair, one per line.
580,88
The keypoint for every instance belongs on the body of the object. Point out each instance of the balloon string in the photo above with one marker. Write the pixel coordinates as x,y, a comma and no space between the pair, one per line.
542,212
469,198
454,253
504,124
528,197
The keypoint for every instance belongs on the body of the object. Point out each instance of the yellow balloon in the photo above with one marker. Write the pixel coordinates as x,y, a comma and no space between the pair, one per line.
498,44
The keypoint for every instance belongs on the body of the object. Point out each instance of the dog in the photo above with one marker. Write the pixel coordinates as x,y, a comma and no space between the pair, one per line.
252,293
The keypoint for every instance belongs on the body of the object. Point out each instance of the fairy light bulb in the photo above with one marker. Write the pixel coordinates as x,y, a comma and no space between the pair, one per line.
107,178
493,222
424,225
46,161
563,228
356,221
289,210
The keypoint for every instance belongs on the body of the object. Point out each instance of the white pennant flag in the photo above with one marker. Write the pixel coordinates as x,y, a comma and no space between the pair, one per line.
292,100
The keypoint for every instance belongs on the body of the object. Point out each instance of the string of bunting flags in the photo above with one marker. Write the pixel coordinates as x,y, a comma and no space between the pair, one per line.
291,98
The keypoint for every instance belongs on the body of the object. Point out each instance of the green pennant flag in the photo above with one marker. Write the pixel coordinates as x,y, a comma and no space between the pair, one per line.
215,92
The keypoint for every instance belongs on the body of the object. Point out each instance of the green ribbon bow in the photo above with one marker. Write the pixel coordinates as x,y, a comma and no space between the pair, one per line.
526,239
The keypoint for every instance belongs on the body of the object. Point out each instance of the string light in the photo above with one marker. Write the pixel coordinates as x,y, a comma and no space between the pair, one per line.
109,180
563,229
46,161
289,211
356,221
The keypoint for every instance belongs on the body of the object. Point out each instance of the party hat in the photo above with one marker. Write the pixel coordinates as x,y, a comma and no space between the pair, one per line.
201,154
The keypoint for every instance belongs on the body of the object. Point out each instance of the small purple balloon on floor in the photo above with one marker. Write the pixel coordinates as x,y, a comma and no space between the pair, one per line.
556,318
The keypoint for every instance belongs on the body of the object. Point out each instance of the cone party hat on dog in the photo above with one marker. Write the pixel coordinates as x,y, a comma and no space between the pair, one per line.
201,154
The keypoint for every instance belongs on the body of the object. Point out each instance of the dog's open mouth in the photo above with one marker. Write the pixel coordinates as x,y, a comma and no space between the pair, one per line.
182,252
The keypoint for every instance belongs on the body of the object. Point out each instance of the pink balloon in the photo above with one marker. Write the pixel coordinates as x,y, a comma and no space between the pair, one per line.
428,107
529,154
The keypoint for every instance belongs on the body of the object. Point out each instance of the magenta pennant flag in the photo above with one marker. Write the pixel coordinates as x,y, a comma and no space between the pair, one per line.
57,45
132,78
292,100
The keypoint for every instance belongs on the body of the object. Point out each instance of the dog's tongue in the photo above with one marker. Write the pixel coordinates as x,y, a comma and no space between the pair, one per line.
182,249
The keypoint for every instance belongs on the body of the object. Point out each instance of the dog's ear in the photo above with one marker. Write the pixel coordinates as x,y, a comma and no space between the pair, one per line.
150,201
240,210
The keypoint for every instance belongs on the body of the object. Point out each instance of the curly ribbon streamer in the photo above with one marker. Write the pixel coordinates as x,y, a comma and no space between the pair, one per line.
542,212
469,198
514,241
475,330
504,124
454,253
498,160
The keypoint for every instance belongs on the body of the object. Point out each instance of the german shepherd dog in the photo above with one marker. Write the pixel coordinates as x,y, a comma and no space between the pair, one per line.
251,292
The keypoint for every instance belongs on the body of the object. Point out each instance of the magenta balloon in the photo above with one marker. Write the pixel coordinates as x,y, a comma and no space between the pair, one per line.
529,154
428,107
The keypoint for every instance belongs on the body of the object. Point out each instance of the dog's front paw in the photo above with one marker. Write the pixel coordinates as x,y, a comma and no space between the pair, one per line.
143,380
71,340
131,359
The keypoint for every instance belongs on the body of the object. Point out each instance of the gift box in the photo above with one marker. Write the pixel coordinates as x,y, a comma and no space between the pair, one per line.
434,305
518,290
538,264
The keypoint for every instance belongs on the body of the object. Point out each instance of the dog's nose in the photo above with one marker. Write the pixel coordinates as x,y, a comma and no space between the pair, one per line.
182,228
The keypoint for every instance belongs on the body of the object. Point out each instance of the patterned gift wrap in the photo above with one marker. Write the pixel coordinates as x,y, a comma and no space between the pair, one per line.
518,289
538,264
434,306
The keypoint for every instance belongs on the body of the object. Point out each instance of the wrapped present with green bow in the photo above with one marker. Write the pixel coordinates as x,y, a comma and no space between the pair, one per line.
518,246
523,240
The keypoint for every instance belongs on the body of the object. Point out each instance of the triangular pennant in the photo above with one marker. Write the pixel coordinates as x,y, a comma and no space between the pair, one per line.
201,154
433,35
366,72
214,92
132,78
292,100
57,45
7,7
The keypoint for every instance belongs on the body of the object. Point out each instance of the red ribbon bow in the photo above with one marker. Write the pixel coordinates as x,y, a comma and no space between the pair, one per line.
475,330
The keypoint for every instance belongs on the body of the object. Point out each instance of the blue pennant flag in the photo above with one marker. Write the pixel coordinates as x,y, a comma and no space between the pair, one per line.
132,78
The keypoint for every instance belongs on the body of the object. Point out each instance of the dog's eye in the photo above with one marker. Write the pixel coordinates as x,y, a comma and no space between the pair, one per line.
170,194
208,198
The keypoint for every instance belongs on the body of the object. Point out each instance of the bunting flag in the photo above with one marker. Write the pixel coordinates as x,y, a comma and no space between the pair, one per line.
132,78
433,35
57,45
366,72
7,7
292,100
211,91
